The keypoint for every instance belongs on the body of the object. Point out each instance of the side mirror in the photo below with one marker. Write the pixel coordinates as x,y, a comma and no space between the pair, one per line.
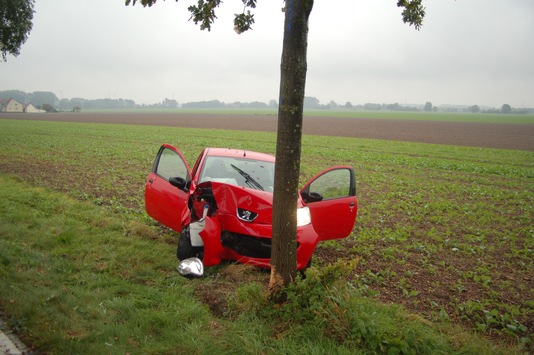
311,196
178,182
191,267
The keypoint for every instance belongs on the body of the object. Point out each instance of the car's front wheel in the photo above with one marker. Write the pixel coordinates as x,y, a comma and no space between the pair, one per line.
302,272
185,250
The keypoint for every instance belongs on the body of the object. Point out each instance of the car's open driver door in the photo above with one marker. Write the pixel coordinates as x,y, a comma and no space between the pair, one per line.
331,198
164,202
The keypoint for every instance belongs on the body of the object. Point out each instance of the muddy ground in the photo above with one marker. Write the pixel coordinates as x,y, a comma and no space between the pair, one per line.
489,135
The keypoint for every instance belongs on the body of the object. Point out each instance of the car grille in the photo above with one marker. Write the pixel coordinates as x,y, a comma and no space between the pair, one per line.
252,247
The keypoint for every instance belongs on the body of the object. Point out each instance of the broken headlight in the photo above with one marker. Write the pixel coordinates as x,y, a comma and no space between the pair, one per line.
303,216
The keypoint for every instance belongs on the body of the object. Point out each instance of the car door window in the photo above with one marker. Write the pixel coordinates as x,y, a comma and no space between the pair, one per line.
163,201
331,199
333,184
170,165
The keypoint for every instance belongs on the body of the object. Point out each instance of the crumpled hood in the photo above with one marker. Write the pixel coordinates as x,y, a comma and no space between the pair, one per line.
230,197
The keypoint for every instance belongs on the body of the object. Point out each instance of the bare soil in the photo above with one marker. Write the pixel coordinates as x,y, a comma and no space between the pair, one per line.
489,135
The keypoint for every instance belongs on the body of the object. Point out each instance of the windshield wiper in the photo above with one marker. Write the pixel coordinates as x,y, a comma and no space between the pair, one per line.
250,181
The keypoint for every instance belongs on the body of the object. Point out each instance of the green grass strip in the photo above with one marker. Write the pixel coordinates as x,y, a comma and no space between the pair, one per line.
77,280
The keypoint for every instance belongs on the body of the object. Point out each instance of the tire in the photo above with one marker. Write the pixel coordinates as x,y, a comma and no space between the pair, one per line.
185,250
302,272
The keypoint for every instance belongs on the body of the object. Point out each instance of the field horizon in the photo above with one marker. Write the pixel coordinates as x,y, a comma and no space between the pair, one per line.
476,130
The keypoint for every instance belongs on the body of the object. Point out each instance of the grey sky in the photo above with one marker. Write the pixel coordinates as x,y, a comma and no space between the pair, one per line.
467,52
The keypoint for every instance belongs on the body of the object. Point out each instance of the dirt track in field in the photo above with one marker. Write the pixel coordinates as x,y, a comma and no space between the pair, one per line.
489,135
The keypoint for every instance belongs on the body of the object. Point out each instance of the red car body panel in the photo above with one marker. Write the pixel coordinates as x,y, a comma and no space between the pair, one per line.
213,250
238,225
166,202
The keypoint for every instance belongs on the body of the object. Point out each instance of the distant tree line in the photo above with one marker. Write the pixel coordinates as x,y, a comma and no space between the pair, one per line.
237,104
37,98
69,104
505,109
205,104
48,101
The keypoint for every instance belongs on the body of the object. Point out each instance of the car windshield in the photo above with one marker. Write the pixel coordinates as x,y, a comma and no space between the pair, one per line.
255,174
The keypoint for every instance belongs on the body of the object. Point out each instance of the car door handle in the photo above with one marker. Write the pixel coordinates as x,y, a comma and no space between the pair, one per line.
352,204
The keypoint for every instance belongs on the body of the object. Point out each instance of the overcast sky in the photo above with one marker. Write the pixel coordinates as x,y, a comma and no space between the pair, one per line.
467,52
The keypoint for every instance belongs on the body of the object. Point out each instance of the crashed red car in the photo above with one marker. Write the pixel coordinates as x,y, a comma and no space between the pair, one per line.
222,208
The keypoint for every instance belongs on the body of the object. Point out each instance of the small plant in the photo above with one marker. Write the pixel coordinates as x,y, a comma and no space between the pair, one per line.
490,320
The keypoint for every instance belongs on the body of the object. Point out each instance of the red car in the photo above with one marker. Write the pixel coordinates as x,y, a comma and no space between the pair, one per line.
222,208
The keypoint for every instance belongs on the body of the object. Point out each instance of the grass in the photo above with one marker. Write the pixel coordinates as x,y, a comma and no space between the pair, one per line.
77,280
443,231
427,116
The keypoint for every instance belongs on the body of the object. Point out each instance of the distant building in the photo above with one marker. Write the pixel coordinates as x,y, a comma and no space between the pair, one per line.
12,105
32,109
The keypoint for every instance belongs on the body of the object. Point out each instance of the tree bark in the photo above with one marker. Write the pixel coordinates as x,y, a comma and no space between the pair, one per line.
288,144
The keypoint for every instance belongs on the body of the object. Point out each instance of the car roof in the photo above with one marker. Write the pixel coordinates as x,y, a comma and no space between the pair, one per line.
239,153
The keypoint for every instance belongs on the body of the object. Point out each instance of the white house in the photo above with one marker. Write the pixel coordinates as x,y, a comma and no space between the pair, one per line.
32,109
13,105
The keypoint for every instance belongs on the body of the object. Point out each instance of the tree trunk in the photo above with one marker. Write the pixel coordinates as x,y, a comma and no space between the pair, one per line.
288,144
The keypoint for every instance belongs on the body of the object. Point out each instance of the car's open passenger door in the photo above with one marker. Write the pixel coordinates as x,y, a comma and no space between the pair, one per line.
164,202
331,198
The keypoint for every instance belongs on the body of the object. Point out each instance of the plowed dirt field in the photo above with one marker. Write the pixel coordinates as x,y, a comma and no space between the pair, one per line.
490,135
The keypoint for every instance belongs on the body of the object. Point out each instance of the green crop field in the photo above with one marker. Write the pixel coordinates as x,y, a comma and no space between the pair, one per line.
427,116
439,261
